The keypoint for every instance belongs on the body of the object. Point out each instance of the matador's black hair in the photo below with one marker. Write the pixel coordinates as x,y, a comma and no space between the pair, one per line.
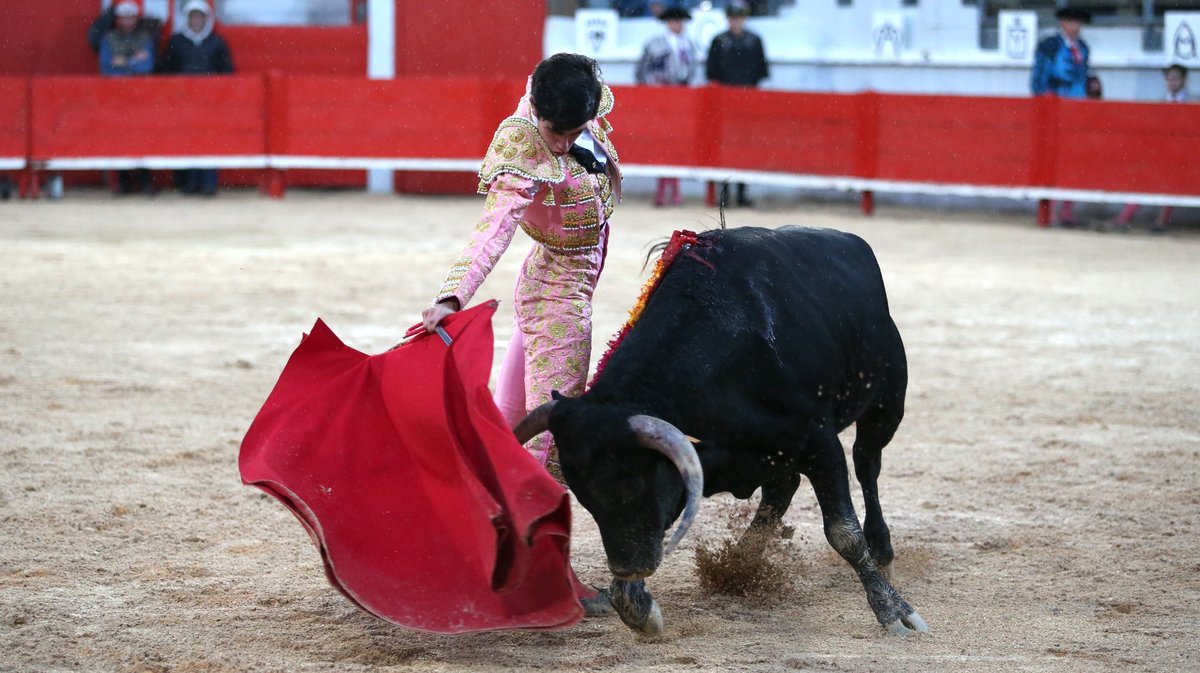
566,91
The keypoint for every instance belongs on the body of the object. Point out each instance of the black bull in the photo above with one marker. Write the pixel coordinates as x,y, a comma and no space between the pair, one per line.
762,345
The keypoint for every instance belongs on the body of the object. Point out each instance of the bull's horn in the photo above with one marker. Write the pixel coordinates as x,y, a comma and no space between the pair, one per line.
655,433
534,423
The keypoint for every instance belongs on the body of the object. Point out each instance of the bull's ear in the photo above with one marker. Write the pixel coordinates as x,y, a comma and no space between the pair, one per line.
555,395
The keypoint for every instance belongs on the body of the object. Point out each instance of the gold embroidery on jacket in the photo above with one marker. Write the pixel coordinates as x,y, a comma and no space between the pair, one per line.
580,218
518,148
458,271
569,242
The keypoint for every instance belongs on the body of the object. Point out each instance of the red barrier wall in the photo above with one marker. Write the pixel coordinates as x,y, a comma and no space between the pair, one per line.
986,142
47,38
337,117
466,39
804,133
14,119
148,116
983,141
474,39
469,39
1111,145
305,50
668,126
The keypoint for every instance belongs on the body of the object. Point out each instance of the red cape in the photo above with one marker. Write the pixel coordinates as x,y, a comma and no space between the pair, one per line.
426,510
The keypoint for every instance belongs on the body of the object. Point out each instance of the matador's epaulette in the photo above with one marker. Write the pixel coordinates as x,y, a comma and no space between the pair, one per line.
518,148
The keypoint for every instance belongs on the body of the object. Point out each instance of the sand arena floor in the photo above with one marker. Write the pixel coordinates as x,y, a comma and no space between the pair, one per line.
1043,491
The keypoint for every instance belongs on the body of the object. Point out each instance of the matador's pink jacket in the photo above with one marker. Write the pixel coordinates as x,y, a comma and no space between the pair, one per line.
565,210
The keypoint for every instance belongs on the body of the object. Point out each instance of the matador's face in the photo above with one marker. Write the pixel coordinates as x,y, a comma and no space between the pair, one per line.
558,141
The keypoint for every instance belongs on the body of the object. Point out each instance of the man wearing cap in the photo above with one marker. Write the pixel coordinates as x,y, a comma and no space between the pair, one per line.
126,49
1060,66
668,59
736,58
108,19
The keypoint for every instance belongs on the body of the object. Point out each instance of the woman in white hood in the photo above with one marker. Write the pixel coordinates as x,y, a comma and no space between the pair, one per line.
196,49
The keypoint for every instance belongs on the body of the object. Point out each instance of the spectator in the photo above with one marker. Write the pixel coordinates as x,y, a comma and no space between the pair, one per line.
197,50
736,58
1060,68
107,21
125,51
668,59
1095,90
1060,64
1175,79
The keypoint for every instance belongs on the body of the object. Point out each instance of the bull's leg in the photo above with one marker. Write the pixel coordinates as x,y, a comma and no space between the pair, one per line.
776,498
872,434
831,483
635,606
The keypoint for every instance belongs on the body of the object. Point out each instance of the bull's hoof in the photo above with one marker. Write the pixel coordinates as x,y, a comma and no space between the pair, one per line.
598,605
908,624
636,607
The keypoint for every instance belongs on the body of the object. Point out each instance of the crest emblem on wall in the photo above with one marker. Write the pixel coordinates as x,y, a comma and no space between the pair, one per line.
1179,38
1184,43
595,31
1017,33
887,34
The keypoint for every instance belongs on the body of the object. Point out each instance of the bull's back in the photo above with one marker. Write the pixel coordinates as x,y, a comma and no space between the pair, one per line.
813,290
833,272
769,318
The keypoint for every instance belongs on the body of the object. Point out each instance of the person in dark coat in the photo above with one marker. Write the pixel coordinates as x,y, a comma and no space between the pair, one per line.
736,58
197,50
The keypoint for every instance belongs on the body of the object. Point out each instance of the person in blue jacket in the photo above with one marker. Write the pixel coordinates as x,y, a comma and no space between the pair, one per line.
126,49
1060,66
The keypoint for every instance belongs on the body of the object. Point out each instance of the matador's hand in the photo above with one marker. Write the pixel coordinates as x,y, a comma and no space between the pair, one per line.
433,315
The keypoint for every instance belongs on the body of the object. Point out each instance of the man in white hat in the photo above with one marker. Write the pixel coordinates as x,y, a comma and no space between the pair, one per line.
126,49
668,58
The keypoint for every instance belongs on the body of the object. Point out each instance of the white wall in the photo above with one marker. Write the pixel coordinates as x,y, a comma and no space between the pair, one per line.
824,47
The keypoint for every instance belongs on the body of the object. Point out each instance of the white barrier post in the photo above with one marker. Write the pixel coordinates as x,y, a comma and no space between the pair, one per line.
381,64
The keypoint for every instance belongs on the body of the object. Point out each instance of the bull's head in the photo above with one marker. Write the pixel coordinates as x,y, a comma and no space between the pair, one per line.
613,462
